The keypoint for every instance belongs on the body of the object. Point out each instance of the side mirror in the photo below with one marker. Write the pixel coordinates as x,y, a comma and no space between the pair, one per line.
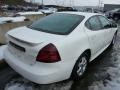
113,24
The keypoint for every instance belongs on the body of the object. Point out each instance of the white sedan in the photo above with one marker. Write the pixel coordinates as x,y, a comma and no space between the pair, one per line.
58,46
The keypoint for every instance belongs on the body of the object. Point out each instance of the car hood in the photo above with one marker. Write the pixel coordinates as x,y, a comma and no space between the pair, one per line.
28,35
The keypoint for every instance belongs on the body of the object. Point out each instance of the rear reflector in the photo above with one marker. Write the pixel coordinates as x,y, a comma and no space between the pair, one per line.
48,54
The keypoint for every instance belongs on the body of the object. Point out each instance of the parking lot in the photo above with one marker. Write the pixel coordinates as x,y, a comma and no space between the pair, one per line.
103,74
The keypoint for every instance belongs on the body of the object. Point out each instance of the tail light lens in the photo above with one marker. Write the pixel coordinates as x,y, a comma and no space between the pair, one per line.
48,54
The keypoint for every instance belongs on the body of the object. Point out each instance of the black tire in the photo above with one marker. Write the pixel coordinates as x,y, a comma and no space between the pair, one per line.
75,75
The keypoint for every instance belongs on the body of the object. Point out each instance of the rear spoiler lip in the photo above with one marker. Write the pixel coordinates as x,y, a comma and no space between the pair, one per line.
22,41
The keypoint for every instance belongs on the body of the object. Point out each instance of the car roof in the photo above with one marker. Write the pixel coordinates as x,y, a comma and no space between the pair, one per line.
86,14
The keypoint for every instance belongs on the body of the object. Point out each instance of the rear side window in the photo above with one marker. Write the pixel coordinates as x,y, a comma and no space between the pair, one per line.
105,23
59,23
93,23
88,25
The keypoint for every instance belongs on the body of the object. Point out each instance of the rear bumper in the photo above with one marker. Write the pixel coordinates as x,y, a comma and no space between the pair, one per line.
41,73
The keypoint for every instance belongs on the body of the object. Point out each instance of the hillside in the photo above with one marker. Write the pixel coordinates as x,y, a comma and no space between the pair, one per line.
14,2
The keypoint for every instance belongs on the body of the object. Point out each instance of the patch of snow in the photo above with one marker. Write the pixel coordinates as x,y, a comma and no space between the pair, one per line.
2,51
15,87
113,84
11,19
18,19
48,10
29,13
24,84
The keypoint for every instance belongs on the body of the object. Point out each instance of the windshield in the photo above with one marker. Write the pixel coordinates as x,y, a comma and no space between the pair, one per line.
59,23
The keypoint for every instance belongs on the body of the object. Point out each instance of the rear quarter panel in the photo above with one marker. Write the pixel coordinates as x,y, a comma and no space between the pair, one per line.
73,46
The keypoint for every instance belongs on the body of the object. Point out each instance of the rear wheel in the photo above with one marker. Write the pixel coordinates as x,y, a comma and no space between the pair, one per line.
80,67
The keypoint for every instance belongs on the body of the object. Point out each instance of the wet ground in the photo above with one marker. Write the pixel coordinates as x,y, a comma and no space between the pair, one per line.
103,74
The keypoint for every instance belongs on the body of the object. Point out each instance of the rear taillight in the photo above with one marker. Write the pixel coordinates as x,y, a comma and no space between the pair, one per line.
48,54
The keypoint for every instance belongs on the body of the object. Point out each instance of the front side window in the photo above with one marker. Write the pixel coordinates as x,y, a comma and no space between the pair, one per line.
58,23
94,23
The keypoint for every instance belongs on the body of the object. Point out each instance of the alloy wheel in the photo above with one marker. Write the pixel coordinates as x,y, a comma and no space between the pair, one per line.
82,66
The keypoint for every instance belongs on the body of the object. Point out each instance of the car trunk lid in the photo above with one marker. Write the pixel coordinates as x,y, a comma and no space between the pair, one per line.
34,37
23,41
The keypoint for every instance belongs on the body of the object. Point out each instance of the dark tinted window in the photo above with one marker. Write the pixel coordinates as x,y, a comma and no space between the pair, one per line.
105,22
88,25
94,23
58,23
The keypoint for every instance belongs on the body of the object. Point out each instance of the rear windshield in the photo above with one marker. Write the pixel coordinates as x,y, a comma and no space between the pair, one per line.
58,23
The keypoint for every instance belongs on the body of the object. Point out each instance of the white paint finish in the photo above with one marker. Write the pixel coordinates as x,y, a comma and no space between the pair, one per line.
33,36
70,47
